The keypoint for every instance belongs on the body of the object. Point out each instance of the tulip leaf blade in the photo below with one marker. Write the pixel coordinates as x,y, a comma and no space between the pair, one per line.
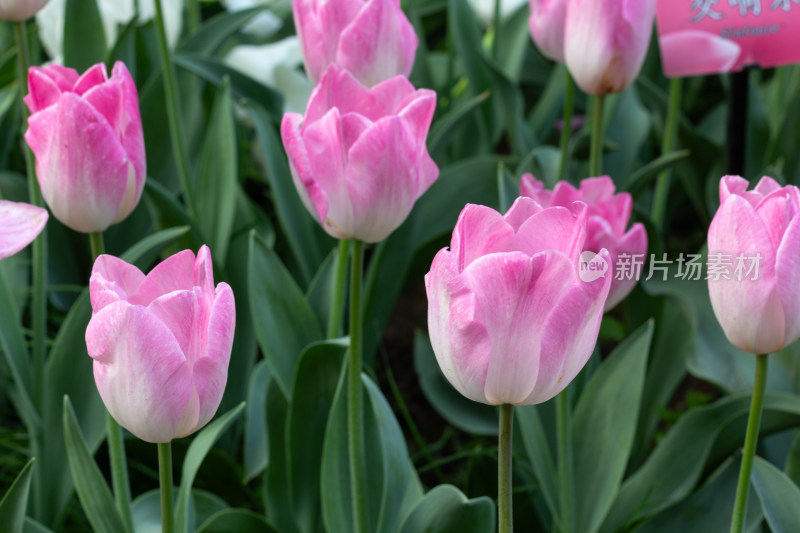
256,439
239,520
213,33
285,323
144,251
779,496
198,449
445,509
15,501
84,36
93,492
607,411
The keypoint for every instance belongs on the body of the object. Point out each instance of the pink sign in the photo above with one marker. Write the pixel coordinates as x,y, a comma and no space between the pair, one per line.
711,36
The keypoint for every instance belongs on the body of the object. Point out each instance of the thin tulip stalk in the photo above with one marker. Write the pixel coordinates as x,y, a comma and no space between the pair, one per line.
505,515
165,482
355,411
596,154
667,145
566,128
564,430
338,289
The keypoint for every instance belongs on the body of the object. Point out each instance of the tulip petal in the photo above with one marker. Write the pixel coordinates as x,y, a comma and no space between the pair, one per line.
43,90
632,243
546,24
175,273
132,133
378,44
112,280
96,75
480,230
569,333
139,370
533,188
787,271
557,228
80,163
390,97
520,211
692,52
419,113
19,225
108,98
204,270
339,89
461,343
312,195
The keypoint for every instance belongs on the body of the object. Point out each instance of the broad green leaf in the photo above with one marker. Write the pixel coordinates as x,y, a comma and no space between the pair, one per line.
146,509
216,30
443,128
84,41
446,510
644,175
604,424
277,502
238,520
320,291
539,452
145,251
201,445
217,186
256,442
93,493
14,504
312,396
388,467
779,496
469,416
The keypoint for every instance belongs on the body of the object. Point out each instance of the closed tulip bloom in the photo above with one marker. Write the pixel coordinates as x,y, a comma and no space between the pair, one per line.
608,217
510,320
161,343
19,225
691,52
358,157
605,42
86,134
19,10
547,27
756,233
372,39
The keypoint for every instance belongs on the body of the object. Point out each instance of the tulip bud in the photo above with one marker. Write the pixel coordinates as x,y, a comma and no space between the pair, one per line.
547,27
86,134
511,319
605,42
161,343
609,214
372,39
358,157
755,235
19,10
19,225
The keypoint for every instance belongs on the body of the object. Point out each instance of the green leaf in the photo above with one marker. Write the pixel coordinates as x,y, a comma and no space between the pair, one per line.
239,520
644,175
443,128
256,440
388,467
285,323
84,41
15,501
779,496
469,416
201,445
605,422
446,510
217,186
93,493
146,509
539,452
216,30
277,504
312,396
145,251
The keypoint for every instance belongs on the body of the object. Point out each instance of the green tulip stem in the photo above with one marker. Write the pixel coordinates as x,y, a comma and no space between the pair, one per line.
566,128
193,15
564,438
338,290
505,521
497,15
750,441
173,111
355,405
116,444
667,145
596,154
165,479
38,269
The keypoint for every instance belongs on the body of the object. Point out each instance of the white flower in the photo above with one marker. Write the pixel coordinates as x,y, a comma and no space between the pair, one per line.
485,8
264,24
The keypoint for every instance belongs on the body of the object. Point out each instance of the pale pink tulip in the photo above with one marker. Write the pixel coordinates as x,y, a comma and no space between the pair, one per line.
161,343
547,27
692,52
605,42
86,133
754,264
19,10
19,225
609,214
510,320
358,157
372,39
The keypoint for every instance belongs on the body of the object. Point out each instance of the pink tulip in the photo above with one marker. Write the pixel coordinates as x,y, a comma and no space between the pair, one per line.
161,343
19,10
608,217
358,157
87,136
547,27
605,42
510,320
372,39
691,52
754,264
19,225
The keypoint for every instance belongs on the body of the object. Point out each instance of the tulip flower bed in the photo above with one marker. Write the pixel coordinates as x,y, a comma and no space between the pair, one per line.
372,266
